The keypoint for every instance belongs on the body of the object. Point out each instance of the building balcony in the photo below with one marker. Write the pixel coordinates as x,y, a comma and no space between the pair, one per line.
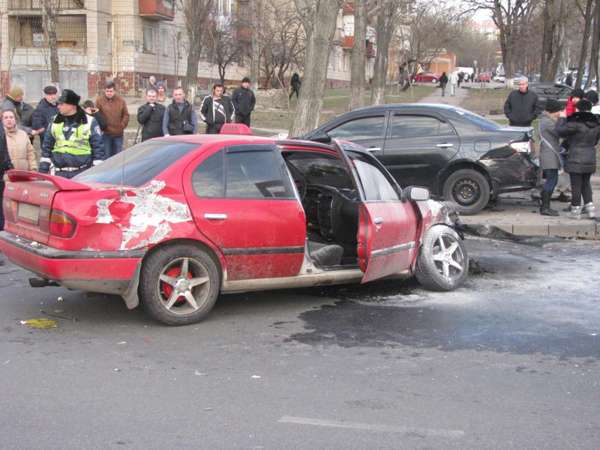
157,9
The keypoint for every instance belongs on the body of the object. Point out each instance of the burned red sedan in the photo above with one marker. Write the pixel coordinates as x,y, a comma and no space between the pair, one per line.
173,222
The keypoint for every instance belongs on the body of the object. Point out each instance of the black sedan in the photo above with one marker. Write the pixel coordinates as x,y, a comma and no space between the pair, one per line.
457,155
554,91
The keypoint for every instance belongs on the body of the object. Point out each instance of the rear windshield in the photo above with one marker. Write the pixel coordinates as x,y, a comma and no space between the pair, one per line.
138,164
480,121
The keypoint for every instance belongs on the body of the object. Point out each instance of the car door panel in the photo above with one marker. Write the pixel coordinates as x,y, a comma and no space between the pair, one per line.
259,237
368,132
418,147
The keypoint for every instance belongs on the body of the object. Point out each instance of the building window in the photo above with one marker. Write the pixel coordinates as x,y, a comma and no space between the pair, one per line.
109,35
150,37
165,42
27,32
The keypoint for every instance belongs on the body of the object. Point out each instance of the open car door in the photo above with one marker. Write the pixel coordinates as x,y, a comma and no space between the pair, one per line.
387,229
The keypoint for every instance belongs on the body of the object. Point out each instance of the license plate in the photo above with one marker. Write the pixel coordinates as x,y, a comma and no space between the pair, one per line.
28,213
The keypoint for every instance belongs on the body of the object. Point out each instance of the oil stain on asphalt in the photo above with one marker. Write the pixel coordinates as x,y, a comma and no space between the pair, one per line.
519,301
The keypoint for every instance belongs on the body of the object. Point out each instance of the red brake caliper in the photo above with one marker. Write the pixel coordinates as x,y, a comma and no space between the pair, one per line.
167,289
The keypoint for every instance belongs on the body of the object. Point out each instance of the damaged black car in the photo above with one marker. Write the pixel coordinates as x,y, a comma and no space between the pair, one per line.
458,155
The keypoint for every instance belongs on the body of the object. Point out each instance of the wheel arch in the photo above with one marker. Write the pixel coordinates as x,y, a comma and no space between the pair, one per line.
460,165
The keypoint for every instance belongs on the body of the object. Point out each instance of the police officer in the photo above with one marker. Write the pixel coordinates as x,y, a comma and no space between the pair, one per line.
73,141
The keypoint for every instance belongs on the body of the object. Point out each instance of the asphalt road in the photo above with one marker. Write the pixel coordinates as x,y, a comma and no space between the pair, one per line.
509,361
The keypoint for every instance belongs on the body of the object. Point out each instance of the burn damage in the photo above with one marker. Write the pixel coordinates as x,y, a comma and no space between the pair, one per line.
143,215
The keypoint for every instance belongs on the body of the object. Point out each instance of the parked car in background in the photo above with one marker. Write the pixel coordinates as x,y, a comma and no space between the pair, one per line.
500,79
172,222
483,77
426,77
554,91
458,155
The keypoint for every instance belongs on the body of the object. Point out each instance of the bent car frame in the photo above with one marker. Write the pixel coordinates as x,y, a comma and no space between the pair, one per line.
173,222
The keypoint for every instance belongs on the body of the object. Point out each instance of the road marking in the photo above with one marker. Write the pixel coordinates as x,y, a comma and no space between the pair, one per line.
373,427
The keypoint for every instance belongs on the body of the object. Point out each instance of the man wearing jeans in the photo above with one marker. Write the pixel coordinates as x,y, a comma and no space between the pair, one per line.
114,109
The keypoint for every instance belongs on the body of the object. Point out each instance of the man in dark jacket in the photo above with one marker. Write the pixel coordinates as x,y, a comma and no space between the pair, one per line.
45,110
522,106
179,117
296,84
582,133
216,110
24,111
73,142
150,116
243,101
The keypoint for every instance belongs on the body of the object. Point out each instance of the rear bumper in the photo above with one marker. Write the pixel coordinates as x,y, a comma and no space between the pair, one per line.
517,173
95,271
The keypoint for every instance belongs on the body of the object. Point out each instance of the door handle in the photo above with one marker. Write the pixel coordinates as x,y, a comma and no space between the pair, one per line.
215,216
378,220
446,145
374,149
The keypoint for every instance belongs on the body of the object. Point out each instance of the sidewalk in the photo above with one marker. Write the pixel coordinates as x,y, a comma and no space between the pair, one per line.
436,97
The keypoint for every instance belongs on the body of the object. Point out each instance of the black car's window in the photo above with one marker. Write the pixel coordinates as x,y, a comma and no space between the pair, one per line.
137,165
363,128
405,126
479,121
321,169
257,172
375,184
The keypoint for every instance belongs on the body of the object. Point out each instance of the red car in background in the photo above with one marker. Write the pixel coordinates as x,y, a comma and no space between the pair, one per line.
484,77
426,77
173,222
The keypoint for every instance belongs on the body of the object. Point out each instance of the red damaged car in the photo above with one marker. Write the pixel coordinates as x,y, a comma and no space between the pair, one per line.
173,222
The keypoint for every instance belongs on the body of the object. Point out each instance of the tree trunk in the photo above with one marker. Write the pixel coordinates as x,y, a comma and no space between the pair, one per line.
49,12
255,9
357,74
319,26
384,36
196,13
191,74
594,62
584,42
553,38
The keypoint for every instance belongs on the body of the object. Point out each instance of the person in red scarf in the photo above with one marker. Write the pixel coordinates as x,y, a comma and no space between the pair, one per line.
576,95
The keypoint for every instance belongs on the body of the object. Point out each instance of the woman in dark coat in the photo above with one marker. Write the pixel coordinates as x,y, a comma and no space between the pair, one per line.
582,133
443,83
550,161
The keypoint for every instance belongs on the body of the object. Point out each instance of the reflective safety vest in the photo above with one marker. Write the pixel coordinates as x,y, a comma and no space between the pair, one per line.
78,143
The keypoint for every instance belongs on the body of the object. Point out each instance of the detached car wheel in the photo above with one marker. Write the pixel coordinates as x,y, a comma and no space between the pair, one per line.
469,189
179,285
443,263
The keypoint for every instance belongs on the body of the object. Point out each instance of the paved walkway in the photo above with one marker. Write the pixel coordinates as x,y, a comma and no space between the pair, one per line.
436,97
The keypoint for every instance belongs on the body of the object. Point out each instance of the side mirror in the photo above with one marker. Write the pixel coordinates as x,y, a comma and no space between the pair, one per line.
415,194
321,137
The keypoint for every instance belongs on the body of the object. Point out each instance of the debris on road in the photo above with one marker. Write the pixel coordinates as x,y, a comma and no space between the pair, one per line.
40,324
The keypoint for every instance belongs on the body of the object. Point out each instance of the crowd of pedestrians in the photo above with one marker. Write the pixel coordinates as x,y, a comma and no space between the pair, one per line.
569,136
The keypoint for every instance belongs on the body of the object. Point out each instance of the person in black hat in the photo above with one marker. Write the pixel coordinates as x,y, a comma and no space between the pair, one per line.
592,96
73,142
44,112
243,101
550,159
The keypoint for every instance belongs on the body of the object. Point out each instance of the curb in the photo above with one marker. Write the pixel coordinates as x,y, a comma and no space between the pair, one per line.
583,229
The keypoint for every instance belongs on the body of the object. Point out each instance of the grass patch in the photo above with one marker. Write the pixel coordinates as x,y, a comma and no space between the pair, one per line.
335,103
486,101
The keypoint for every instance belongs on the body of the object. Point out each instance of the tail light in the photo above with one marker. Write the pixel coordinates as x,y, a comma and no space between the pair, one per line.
521,147
61,224
10,209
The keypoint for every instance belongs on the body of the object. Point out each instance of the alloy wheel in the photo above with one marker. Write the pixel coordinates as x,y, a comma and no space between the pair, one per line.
183,286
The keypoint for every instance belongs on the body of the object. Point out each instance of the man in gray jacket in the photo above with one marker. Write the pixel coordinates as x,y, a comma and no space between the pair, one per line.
550,159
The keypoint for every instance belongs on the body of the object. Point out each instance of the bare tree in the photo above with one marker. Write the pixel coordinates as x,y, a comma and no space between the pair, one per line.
224,48
509,16
255,11
386,21
594,71
50,9
357,75
196,14
555,16
587,29
319,22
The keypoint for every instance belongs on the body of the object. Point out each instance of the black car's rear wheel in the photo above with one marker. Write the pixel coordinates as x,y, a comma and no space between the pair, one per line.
469,189
179,285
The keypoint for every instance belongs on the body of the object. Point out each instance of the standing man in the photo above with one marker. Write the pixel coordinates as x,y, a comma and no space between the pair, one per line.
114,109
73,143
443,83
522,106
179,117
150,116
453,83
24,111
216,110
243,101
45,111
296,84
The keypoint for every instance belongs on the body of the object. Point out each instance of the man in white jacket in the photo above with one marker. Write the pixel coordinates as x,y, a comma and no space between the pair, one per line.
453,83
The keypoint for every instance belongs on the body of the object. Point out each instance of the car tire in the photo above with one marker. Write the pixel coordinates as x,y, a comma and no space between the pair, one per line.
468,189
443,262
172,298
